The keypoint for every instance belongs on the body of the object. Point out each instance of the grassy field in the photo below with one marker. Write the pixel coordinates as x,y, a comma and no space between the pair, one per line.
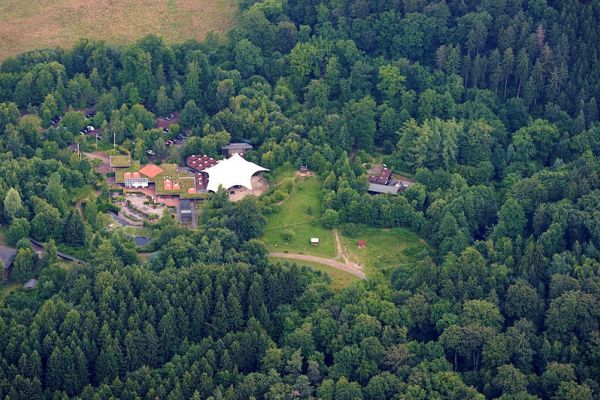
339,279
33,24
385,248
120,161
293,216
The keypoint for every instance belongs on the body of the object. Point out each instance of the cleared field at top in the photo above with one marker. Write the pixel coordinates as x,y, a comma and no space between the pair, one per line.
33,24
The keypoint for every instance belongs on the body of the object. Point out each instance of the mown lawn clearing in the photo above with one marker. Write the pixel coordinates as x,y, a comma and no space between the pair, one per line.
385,248
296,219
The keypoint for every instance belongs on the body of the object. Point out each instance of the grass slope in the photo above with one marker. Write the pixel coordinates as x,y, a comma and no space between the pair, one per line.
292,215
33,24
339,279
385,248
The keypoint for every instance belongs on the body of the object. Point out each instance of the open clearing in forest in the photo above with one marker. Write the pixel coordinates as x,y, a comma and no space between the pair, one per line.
299,214
36,24
385,248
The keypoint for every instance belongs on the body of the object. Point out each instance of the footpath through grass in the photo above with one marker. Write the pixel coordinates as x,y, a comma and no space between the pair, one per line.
385,248
296,219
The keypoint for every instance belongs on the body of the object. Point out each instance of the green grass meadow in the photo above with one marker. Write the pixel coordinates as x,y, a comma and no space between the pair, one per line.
386,248
293,215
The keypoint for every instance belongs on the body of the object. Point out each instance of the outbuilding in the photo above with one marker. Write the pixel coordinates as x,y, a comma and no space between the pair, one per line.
30,284
236,148
314,241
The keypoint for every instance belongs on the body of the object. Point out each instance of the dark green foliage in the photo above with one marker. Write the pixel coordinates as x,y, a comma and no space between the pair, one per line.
23,265
492,107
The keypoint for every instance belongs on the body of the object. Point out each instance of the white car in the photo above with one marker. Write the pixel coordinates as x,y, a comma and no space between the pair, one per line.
90,128
150,152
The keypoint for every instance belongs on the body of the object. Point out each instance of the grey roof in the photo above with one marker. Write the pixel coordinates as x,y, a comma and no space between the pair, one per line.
30,284
185,205
377,188
237,146
7,255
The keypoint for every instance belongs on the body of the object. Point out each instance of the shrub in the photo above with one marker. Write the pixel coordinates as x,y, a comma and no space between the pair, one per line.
287,235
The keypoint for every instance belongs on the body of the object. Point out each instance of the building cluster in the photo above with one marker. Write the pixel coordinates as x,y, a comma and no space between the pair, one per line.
384,183
208,173
232,172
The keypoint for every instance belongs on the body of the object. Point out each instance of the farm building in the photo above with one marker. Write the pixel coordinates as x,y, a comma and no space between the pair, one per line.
236,148
314,241
376,188
230,173
383,178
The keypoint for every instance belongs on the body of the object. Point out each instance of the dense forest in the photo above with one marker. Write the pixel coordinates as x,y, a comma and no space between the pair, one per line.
490,105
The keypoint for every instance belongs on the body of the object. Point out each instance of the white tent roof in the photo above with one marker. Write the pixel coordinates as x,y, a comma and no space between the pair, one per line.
235,171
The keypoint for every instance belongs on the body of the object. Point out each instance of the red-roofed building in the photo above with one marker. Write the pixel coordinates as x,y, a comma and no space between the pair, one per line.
384,177
151,170
362,244
198,163
201,181
169,185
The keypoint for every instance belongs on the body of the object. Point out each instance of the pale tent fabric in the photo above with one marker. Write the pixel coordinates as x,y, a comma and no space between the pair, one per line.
235,171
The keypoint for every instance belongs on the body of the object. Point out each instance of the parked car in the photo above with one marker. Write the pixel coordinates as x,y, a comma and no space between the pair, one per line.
166,130
90,128
150,152
170,116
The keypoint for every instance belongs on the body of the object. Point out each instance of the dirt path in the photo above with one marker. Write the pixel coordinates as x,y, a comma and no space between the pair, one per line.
341,251
348,267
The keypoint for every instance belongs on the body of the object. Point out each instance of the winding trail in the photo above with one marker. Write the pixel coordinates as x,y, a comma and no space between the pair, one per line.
348,265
